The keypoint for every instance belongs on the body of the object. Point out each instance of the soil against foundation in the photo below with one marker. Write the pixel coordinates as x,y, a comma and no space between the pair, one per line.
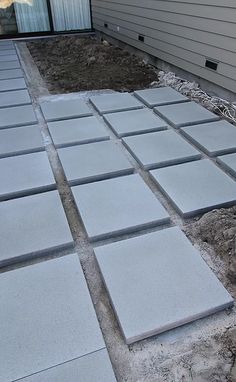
73,64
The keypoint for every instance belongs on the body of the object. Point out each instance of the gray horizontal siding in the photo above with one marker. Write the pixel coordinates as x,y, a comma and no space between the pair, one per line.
183,33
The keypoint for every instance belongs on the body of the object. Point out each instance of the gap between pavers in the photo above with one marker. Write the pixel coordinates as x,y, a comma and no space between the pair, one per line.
77,131
24,175
184,114
215,138
20,140
133,122
160,96
14,98
17,116
196,187
157,282
228,162
32,226
65,109
93,162
160,149
47,318
116,206
111,103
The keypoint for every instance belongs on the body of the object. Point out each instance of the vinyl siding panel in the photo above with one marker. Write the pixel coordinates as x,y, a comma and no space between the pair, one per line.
184,33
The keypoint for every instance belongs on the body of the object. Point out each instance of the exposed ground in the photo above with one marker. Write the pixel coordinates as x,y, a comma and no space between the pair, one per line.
72,64
203,351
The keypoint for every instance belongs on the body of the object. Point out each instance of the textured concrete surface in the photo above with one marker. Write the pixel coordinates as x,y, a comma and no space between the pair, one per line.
184,114
157,282
90,368
31,226
134,122
110,103
116,206
47,318
17,116
65,109
10,73
25,175
12,84
14,98
214,138
160,149
160,96
77,131
196,187
10,65
94,161
20,140
228,162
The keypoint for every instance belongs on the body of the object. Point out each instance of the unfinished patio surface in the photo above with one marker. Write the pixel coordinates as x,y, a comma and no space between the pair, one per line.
154,279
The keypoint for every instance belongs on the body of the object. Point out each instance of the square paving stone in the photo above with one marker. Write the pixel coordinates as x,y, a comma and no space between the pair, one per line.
25,175
77,131
6,45
115,206
12,84
20,140
157,282
5,52
196,187
8,57
214,138
32,226
94,161
14,98
47,318
9,65
160,96
17,116
134,122
160,149
184,114
90,368
110,103
228,162
10,73
65,109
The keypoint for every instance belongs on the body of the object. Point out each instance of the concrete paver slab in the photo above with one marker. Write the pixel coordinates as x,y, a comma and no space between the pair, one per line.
77,131
12,84
115,206
160,96
110,103
196,187
20,140
65,109
8,57
94,161
213,138
10,73
134,122
7,44
184,114
160,149
25,175
5,52
9,65
17,116
31,226
157,282
47,317
14,98
90,368
228,162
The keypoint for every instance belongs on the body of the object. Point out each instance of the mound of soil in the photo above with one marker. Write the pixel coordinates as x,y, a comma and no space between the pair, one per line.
74,63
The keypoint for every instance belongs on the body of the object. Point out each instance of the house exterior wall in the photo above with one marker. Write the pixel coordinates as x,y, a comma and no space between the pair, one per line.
183,33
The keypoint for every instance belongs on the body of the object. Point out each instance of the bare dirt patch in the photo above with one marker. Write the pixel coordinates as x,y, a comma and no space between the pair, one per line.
72,64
